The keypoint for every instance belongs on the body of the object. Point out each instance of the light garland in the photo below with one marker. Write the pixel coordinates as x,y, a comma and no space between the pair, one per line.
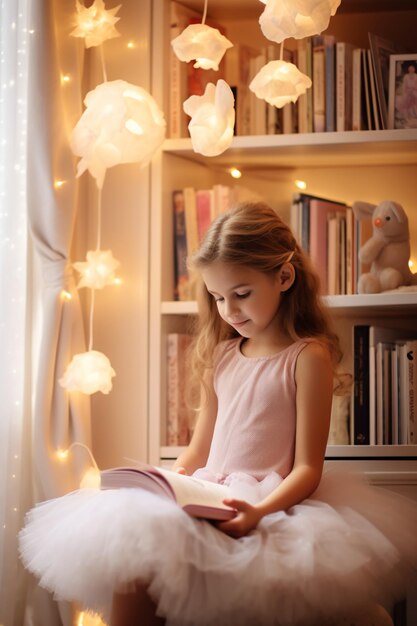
95,24
88,372
212,119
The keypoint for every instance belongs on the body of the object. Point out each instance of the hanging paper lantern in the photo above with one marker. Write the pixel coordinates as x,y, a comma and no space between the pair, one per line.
95,24
91,479
121,124
279,82
296,18
212,119
203,43
88,372
99,269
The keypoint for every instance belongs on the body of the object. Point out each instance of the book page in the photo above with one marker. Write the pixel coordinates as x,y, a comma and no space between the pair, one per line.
189,490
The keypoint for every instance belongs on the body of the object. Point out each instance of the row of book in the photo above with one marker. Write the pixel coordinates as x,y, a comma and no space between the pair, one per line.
193,211
350,84
330,234
385,384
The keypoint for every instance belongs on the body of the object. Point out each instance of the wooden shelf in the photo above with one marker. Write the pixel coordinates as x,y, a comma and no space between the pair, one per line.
402,301
373,147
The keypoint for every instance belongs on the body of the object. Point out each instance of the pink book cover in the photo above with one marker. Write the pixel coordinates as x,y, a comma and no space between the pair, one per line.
204,200
320,210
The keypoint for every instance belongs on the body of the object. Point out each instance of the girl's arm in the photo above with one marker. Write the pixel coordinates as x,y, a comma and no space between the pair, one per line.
196,453
314,380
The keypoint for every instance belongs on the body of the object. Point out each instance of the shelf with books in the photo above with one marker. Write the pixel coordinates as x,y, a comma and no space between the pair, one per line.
339,148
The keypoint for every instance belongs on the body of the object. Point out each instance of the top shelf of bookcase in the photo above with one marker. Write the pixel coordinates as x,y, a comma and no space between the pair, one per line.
373,147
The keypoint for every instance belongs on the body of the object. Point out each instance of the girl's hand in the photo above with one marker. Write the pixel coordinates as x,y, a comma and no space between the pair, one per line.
246,519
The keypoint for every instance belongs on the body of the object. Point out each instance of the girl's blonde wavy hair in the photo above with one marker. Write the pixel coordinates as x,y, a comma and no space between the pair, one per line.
253,235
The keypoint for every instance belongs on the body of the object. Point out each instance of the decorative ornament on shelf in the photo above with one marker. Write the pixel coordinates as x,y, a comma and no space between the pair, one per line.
203,43
95,24
212,119
279,82
122,123
88,373
282,19
99,269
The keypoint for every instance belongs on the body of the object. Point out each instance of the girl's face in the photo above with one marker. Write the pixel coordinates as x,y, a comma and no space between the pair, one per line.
246,299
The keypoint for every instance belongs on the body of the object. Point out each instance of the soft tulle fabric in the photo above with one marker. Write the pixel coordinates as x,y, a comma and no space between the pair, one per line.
346,545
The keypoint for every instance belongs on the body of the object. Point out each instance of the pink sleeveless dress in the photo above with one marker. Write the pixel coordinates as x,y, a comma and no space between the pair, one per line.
346,545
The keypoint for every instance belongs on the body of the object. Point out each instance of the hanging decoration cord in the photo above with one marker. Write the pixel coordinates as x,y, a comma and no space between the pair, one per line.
203,21
103,64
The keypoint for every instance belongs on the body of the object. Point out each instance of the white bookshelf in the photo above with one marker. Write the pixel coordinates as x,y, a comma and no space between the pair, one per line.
367,165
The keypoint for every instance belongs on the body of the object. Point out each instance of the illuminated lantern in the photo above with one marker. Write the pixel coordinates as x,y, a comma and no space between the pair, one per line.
99,269
88,372
282,19
121,124
95,24
212,119
279,82
203,43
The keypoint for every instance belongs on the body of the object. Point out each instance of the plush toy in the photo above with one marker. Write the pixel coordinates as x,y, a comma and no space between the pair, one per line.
388,250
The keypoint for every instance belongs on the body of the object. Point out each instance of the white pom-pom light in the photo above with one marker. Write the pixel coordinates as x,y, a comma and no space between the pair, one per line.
88,373
94,24
296,18
99,269
212,119
279,82
121,124
203,43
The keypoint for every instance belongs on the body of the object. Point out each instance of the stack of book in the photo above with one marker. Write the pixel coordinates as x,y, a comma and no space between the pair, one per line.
385,384
179,414
330,234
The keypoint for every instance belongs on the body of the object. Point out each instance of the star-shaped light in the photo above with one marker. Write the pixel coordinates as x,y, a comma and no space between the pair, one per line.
203,43
122,123
88,372
279,82
95,24
282,19
99,269
212,119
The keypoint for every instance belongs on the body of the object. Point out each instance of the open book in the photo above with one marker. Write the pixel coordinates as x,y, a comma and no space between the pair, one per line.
198,498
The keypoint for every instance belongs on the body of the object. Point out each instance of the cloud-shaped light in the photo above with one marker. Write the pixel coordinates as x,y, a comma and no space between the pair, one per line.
203,43
99,269
279,82
296,18
122,123
95,24
88,372
212,119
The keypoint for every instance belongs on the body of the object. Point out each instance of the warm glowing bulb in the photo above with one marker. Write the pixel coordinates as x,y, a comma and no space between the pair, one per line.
59,183
91,479
410,263
117,281
131,44
300,184
235,173
65,79
66,295
62,454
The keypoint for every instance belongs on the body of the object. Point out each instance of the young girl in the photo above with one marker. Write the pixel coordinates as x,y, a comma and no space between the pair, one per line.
303,548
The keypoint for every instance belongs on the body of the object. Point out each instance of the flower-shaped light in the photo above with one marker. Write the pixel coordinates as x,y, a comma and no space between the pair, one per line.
212,119
99,269
95,24
203,43
121,124
91,479
296,18
279,82
88,372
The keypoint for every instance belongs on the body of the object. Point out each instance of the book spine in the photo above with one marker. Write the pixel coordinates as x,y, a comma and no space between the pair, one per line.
340,86
172,428
330,87
181,278
356,89
412,389
319,89
302,100
361,385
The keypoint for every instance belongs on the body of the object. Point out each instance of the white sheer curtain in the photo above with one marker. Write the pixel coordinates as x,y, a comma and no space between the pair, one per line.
15,303
37,218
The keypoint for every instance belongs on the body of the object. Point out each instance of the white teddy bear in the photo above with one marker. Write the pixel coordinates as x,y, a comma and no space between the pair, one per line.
388,250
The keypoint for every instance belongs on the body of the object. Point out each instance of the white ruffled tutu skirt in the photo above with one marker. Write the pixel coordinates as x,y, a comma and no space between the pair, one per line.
346,545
